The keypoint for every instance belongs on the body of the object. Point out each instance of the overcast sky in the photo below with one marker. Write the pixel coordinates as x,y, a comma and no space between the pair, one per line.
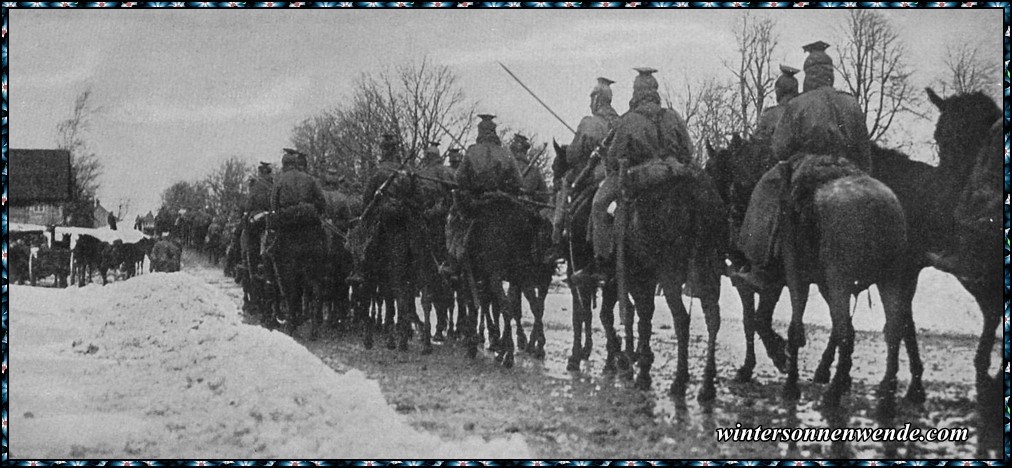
182,90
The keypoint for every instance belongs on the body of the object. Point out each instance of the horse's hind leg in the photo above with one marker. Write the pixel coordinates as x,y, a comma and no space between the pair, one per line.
748,312
896,322
711,313
500,304
673,295
776,347
643,294
515,310
612,344
915,392
580,315
427,304
843,333
824,371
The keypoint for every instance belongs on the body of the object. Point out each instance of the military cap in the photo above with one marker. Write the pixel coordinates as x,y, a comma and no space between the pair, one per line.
604,81
265,167
293,152
291,158
645,81
817,46
788,70
486,124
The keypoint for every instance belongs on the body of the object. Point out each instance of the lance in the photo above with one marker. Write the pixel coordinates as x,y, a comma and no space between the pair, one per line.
549,109
448,133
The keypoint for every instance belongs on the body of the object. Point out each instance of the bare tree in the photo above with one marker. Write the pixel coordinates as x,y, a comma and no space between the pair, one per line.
227,186
414,101
709,109
871,60
184,196
968,69
84,164
756,39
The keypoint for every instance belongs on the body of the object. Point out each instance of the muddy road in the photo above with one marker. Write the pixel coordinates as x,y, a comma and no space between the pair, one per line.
588,414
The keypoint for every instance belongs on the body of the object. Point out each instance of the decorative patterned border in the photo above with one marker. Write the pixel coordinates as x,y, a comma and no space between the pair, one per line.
4,455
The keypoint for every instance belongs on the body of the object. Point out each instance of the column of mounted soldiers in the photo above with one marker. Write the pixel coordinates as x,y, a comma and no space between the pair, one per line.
288,219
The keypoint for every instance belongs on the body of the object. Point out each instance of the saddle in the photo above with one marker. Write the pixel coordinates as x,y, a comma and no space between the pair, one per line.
809,171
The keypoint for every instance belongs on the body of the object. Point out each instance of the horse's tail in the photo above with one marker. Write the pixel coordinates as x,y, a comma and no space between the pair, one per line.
862,230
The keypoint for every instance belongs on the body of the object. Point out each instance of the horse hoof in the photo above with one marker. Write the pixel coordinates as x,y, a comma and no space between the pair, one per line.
885,409
539,353
609,367
831,398
438,337
744,375
367,343
677,389
791,392
622,362
643,381
391,344
573,364
707,394
426,350
521,342
915,394
821,376
507,361
498,358
472,351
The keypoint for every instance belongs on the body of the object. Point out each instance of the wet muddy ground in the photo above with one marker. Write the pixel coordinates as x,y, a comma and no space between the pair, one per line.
588,414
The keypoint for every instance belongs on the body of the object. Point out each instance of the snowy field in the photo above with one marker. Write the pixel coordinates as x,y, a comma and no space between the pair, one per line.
161,366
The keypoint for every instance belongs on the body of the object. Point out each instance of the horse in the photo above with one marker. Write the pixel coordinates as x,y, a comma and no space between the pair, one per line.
736,180
673,236
940,205
579,254
89,255
499,223
735,171
394,249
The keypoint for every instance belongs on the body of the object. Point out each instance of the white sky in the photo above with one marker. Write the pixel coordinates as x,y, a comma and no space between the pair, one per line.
181,90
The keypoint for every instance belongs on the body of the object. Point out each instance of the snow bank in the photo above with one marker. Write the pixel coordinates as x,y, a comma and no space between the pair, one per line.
161,366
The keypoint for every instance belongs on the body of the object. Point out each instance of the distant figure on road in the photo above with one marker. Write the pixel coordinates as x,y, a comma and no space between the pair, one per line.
112,221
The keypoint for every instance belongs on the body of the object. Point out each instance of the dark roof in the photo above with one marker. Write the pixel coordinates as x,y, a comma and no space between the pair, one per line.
39,176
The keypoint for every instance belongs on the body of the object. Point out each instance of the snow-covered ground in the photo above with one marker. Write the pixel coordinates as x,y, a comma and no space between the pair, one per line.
161,366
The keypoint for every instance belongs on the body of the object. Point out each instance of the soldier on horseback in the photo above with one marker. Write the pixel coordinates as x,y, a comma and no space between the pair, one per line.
360,237
297,204
590,135
486,167
254,221
786,88
821,120
454,156
650,137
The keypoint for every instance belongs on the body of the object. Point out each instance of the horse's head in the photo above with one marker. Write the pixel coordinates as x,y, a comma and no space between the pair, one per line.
737,168
964,122
559,165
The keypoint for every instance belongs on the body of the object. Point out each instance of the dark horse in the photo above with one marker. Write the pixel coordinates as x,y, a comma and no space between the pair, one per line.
500,223
735,171
952,208
578,252
395,249
736,181
674,236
